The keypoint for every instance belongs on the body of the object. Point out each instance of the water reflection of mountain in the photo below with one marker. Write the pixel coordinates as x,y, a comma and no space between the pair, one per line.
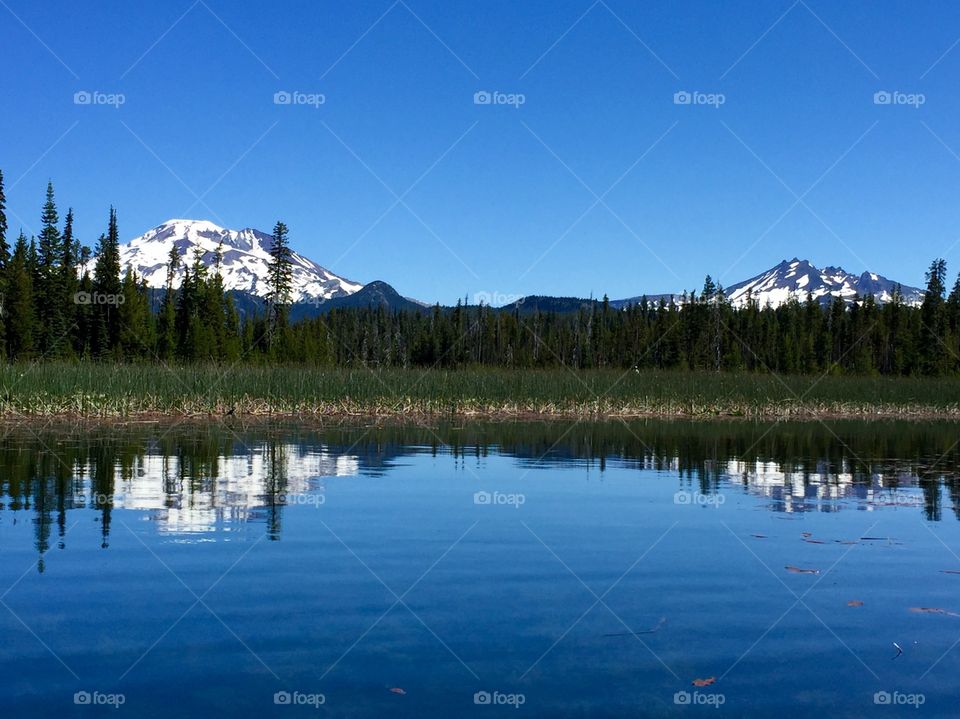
215,477
825,490
235,488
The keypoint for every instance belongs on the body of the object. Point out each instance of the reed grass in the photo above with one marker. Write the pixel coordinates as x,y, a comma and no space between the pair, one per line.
105,390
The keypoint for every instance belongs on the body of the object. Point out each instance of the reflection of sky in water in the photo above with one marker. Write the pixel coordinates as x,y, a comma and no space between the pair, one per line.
496,597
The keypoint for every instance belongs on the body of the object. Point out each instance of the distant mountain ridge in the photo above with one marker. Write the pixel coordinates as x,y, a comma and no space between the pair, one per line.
796,279
316,290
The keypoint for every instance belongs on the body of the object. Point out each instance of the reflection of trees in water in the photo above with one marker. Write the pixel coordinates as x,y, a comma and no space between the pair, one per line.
54,474
276,487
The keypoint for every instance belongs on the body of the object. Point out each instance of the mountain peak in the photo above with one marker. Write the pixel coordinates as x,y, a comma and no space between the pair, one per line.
246,259
797,279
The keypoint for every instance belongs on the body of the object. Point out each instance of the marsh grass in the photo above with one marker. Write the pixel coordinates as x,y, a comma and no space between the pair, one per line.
105,390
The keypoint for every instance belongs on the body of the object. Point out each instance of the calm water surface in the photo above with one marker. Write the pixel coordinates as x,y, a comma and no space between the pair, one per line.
560,570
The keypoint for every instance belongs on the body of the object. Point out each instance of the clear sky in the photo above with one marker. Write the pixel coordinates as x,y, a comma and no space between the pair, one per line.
598,182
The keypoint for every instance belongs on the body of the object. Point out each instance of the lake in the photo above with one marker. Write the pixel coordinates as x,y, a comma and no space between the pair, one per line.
510,569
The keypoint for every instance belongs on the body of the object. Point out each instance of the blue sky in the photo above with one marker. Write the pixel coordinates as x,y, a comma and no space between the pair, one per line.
598,183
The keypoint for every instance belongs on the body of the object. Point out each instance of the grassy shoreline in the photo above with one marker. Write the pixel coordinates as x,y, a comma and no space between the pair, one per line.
127,391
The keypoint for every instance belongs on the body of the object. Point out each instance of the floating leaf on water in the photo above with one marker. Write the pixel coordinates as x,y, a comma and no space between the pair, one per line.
398,690
934,610
800,570
704,682
854,603
653,630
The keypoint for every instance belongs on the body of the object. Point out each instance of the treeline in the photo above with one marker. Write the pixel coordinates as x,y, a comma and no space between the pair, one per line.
701,332
60,300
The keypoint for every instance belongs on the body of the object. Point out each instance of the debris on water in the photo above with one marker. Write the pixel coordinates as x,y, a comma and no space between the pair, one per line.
899,650
950,571
801,570
652,630
704,682
845,541
855,603
759,536
814,541
806,534
934,610
398,690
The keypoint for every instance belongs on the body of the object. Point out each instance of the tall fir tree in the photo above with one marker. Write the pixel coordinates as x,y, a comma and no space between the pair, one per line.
53,302
933,320
4,245
279,284
4,261
107,285
167,319
71,283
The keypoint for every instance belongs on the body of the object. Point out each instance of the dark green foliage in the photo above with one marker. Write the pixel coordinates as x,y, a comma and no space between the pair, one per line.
18,307
4,245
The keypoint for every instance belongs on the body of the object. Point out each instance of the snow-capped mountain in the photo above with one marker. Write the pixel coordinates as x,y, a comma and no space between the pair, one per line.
795,279
246,257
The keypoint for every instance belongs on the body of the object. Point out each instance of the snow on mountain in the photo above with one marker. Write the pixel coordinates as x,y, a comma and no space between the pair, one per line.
246,257
794,279
798,278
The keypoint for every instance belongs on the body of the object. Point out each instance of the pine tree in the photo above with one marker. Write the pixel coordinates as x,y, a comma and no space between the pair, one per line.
52,300
4,246
136,336
279,283
4,261
71,282
20,324
107,287
933,320
167,321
